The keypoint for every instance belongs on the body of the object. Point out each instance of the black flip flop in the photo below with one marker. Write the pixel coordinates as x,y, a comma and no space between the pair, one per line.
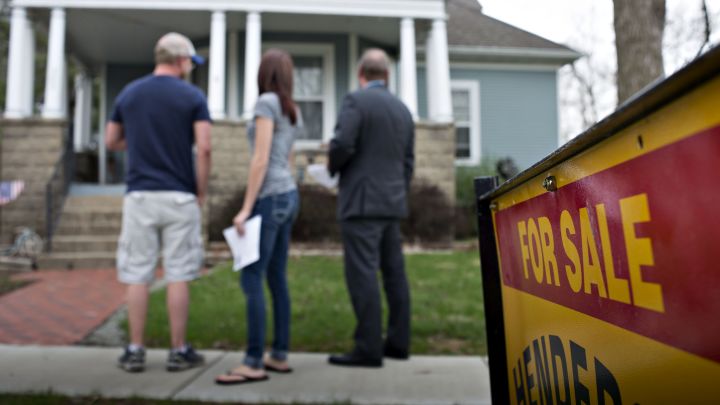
245,379
278,370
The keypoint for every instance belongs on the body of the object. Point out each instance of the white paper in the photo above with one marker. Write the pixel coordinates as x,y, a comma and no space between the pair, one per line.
246,248
321,175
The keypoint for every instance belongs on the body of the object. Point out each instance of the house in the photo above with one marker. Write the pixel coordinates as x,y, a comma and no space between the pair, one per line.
478,87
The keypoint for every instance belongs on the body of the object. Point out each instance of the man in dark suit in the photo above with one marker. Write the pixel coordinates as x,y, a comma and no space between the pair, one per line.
373,152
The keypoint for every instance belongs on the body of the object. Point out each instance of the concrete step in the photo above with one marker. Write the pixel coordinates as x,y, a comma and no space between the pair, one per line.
77,260
85,222
91,215
89,230
85,243
15,264
102,202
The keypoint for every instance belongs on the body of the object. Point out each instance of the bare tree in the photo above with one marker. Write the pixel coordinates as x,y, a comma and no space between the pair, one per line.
587,86
706,31
639,26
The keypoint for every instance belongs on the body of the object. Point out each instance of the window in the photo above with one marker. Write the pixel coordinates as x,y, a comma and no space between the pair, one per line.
466,109
314,89
308,93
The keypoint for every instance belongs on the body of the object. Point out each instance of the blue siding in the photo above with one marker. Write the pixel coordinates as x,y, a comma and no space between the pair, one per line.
518,112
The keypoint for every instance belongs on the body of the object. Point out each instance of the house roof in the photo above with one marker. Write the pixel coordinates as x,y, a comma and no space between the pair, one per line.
470,32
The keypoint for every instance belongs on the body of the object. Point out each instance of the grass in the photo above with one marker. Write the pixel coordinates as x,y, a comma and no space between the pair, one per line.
447,311
7,284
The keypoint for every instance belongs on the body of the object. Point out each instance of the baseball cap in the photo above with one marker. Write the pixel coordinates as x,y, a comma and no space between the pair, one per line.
173,45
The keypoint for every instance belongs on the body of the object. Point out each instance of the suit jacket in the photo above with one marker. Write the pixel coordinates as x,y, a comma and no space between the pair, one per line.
373,150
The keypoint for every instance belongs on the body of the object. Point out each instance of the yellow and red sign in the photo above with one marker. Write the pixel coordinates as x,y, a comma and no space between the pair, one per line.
611,283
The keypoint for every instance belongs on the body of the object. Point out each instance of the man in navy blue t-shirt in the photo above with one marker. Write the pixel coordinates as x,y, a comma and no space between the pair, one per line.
157,119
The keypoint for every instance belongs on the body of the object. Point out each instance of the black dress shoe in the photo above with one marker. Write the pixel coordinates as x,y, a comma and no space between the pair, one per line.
397,354
353,360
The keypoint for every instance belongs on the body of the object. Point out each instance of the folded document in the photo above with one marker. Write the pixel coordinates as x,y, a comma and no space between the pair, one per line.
246,248
321,175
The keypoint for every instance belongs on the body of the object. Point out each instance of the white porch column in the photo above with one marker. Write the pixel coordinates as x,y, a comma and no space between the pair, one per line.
28,91
253,30
441,73
430,82
54,106
216,84
233,76
102,121
353,62
14,103
408,70
83,106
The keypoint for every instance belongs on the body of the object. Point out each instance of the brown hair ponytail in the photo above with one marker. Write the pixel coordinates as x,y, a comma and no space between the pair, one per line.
276,75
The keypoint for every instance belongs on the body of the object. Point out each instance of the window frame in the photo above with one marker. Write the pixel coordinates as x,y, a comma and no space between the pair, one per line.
327,52
473,89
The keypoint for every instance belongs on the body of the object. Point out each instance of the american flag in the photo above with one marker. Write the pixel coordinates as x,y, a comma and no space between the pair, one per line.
10,190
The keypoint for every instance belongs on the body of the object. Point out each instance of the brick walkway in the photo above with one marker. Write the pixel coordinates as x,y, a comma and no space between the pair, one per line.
60,307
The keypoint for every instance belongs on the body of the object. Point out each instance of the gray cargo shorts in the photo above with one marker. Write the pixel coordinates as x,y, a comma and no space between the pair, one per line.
152,218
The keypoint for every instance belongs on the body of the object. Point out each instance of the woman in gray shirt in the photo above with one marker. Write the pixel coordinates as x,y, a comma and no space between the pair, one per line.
272,194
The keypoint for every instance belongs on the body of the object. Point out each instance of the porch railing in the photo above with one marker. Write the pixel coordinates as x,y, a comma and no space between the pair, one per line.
57,189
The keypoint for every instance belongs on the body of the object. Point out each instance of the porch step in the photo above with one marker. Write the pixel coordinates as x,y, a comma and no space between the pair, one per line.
110,214
87,233
77,260
85,243
87,227
95,201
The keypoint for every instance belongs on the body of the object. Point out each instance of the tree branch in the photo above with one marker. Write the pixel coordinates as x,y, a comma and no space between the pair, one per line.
706,22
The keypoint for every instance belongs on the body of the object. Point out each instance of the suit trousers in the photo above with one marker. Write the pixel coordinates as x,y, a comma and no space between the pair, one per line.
369,245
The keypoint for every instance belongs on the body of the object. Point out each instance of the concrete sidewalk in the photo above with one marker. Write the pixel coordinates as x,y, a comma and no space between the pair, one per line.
80,371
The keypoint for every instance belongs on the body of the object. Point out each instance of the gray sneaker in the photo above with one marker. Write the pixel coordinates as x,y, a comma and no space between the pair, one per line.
179,361
132,361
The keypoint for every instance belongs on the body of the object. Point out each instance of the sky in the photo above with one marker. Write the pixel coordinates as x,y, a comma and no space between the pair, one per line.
587,26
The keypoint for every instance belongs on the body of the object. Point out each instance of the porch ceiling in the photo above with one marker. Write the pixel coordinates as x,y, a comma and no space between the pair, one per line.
128,36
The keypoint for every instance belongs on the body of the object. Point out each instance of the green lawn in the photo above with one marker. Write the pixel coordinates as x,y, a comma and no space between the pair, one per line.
446,293
7,284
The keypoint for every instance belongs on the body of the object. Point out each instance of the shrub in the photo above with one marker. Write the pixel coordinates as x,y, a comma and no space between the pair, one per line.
224,217
430,218
316,221
464,176
465,209
465,222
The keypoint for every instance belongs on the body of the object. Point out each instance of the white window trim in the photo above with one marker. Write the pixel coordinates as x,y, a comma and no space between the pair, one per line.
327,52
393,77
473,88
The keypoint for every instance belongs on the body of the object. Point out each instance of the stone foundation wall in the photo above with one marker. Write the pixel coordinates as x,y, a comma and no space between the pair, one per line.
29,151
230,164
435,156
434,161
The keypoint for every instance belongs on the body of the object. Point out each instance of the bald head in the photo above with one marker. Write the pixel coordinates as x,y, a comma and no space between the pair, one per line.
374,65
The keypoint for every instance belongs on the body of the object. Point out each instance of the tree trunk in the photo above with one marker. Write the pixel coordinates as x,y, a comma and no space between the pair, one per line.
639,26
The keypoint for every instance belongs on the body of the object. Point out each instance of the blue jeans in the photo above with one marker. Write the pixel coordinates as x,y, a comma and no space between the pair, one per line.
278,213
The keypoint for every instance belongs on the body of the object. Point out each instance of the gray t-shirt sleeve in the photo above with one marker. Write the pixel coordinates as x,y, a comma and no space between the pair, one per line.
268,106
299,125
